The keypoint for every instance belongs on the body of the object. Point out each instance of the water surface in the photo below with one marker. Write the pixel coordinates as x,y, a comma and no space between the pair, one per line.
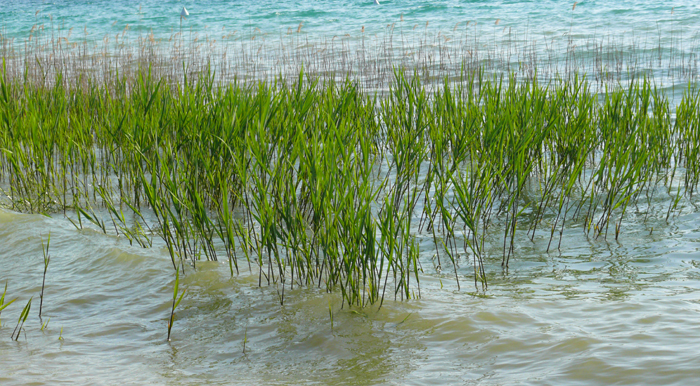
596,312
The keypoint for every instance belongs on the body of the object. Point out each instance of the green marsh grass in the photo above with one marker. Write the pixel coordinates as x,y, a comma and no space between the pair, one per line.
311,181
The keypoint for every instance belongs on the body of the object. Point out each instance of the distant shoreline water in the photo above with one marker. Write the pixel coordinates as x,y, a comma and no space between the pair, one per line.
660,37
587,18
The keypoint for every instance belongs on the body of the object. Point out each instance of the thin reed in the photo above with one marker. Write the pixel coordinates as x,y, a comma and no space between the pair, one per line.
369,58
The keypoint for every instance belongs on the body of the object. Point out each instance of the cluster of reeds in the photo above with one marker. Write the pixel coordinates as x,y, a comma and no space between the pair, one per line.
316,183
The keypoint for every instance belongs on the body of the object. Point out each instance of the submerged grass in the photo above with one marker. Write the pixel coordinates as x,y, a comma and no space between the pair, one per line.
318,183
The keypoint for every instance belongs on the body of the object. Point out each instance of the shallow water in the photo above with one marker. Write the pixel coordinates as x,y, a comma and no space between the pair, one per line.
596,312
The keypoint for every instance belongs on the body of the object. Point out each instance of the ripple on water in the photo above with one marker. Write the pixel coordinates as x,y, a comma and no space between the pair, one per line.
112,302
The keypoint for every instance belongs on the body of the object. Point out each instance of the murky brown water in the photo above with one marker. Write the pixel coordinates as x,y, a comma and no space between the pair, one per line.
597,313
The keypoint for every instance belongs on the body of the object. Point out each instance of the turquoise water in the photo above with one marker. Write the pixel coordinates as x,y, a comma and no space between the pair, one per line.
333,17
263,39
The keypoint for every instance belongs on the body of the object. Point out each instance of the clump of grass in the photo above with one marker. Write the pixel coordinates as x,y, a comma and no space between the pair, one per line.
315,182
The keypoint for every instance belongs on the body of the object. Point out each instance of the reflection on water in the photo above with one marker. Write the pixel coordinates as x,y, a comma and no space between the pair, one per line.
595,312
